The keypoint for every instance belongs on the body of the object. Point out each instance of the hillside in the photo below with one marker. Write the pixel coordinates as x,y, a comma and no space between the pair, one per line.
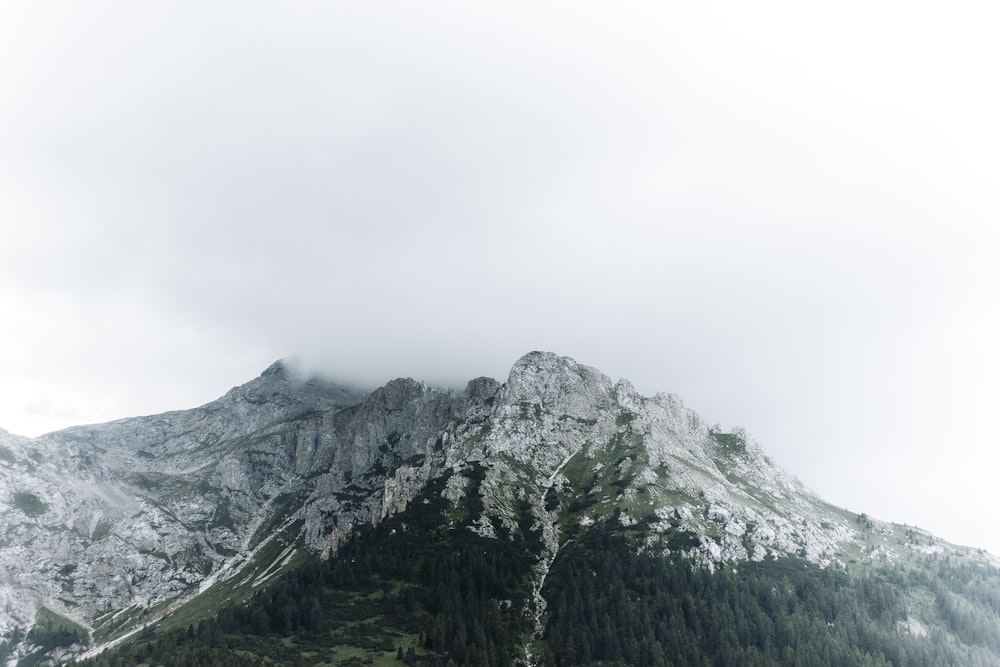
557,518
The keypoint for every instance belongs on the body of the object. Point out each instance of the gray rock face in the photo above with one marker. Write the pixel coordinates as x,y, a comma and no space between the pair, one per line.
101,520
133,512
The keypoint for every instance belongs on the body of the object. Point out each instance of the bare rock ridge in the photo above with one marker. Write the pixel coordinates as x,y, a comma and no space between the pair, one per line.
105,524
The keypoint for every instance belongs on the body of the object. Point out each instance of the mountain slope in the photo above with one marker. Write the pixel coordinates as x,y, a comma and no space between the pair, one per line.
100,518
110,527
426,586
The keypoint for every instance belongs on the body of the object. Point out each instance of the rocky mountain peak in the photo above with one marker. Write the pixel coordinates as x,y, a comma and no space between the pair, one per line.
395,394
284,383
279,368
481,389
558,384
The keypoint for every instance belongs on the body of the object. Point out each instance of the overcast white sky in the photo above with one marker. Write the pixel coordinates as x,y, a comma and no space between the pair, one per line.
785,213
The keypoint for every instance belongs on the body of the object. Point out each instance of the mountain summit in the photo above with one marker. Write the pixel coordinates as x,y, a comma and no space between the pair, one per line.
111,528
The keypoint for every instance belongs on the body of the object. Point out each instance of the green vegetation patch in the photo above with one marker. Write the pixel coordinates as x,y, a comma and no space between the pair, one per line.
30,504
101,530
281,508
222,516
51,631
625,418
611,605
602,487
730,443
117,621
481,435
7,455
528,410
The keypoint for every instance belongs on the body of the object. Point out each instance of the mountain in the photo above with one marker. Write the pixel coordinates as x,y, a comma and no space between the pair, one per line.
165,521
